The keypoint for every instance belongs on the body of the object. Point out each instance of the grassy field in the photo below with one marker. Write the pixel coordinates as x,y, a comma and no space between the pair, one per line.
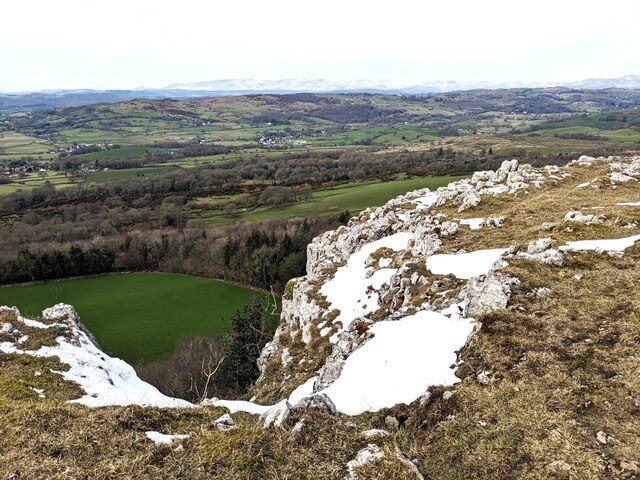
138,317
121,152
355,197
34,180
16,144
127,173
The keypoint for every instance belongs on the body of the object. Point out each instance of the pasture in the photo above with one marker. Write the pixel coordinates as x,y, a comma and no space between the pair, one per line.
138,317
353,196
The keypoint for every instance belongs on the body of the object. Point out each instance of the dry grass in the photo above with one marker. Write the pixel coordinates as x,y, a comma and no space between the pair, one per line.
564,367
527,210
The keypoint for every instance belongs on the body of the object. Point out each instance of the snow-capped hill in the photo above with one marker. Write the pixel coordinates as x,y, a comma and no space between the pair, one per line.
285,85
300,85
628,81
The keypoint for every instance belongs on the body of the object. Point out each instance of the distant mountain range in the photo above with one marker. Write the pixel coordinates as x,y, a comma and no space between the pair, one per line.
24,101
246,85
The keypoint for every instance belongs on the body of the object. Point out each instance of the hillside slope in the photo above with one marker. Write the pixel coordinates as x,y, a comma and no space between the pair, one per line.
485,330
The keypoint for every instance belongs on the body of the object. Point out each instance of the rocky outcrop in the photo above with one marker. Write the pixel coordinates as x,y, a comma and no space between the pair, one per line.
308,316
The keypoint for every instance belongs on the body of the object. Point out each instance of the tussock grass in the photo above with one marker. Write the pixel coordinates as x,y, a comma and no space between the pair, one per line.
525,211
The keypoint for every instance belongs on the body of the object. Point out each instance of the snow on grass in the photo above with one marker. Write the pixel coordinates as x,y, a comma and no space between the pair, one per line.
163,438
465,265
400,362
9,347
105,380
629,204
238,406
609,245
36,324
38,391
348,291
474,223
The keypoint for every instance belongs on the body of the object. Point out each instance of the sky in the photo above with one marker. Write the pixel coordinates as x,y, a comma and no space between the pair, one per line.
63,44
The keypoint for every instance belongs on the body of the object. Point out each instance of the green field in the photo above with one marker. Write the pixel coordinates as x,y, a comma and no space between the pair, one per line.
126,173
354,196
121,152
138,317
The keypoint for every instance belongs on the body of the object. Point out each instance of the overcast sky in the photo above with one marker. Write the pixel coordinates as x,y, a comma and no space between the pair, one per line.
47,44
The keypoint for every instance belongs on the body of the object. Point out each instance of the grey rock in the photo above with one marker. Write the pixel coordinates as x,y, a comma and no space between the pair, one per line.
425,242
539,245
347,342
298,427
617,178
319,401
225,423
484,377
392,423
375,433
276,415
66,314
540,251
583,161
493,221
408,463
601,437
468,199
546,226
485,294
370,454
576,216
507,166
448,229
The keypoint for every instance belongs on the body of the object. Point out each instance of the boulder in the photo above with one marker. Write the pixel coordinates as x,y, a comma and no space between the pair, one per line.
276,415
319,401
485,294
370,454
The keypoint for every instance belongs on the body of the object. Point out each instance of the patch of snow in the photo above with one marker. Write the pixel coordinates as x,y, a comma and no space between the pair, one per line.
238,406
474,223
465,265
609,245
163,438
36,324
427,200
105,380
400,362
629,204
39,391
9,347
384,262
302,391
497,190
347,290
